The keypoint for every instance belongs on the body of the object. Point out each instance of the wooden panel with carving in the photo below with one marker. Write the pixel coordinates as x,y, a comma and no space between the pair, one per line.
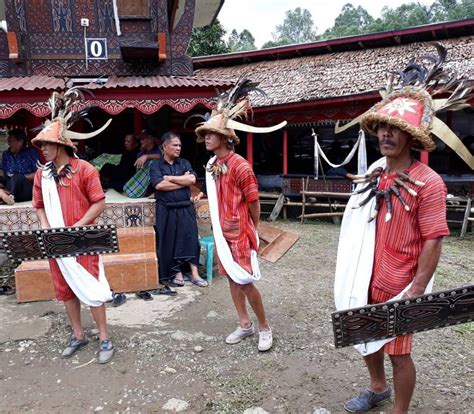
395,318
60,242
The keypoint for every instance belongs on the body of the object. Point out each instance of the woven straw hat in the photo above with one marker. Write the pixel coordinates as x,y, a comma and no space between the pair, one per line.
409,109
53,132
216,124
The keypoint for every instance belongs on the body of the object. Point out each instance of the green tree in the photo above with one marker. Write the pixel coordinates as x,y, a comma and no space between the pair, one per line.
298,27
406,15
351,21
241,42
443,10
208,40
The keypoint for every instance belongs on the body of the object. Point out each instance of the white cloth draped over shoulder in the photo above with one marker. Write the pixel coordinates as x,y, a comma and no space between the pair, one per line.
89,290
234,270
355,258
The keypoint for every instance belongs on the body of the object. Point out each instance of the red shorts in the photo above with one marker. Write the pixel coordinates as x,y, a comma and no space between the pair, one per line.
240,256
401,345
61,288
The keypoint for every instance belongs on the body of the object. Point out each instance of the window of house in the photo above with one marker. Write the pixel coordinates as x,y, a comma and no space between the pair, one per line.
135,8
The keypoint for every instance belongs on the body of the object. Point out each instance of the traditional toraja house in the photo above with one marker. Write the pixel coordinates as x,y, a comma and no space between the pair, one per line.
132,54
314,85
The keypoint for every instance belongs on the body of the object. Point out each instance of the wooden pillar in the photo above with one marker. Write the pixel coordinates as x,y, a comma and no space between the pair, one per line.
250,148
137,121
285,151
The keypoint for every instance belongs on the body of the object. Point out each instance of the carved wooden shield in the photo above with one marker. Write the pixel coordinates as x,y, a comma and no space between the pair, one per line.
388,320
59,242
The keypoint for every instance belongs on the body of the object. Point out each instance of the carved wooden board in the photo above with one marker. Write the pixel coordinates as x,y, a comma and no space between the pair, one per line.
388,320
59,242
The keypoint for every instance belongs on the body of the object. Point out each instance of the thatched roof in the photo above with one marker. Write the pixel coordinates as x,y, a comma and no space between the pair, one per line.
332,75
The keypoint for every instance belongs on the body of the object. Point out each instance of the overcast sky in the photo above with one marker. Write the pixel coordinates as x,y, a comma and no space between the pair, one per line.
261,17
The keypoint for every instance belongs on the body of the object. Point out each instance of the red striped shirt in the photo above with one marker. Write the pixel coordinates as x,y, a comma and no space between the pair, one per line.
398,242
235,190
84,189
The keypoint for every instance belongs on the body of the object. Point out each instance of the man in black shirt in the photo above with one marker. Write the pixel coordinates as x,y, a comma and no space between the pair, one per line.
178,243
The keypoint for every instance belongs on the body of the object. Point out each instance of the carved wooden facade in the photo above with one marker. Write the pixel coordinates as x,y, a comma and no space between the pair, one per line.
45,37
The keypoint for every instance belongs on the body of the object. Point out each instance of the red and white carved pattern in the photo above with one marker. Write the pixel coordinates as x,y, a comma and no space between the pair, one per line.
148,106
112,107
38,109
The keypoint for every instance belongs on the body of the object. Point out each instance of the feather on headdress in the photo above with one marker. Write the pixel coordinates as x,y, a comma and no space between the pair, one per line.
231,105
409,103
57,130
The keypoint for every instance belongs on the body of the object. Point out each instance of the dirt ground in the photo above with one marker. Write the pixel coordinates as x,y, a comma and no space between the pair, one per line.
171,353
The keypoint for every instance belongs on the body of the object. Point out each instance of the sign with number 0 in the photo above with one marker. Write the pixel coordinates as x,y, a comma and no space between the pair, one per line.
96,48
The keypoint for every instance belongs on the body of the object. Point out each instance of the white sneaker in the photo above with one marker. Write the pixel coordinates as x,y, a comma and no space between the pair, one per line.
265,340
239,334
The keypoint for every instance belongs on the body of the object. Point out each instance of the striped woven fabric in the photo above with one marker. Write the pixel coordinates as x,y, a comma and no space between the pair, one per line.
235,190
400,240
84,189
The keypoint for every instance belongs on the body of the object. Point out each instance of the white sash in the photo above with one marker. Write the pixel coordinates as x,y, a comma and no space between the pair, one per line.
93,292
355,258
234,270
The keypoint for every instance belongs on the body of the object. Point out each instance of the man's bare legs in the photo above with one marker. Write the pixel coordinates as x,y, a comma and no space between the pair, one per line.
238,297
374,362
239,293
404,379
98,313
73,309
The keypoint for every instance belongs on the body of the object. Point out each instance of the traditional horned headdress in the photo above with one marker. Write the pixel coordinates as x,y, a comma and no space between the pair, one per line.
57,130
232,105
409,104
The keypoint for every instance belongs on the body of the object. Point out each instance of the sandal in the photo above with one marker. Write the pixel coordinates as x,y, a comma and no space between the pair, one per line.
7,290
178,282
165,290
118,299
144,295
200,282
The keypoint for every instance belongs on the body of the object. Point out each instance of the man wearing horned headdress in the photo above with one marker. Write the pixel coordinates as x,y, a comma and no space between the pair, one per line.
393,227
67,192
233,197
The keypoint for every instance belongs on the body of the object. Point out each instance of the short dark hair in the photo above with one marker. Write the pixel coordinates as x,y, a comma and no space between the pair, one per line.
168,136
18,134
69,151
